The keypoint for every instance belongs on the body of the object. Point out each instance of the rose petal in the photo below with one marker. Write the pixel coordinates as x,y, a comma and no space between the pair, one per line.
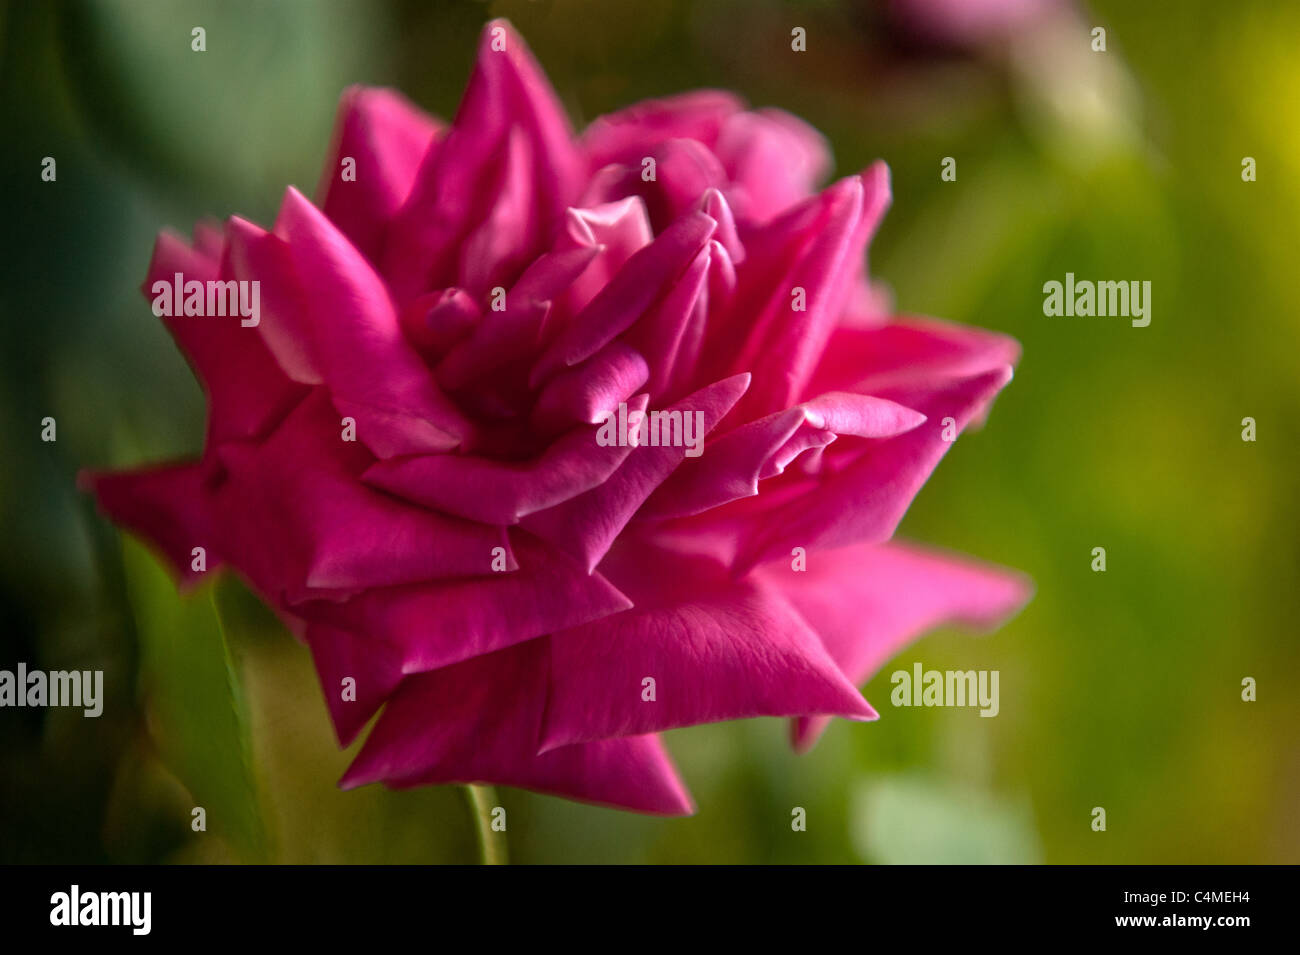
733,464
730,651
436,624
615,230
772,159
869,601
386,137
507,92
374,667
373,373
247,391
165,504
502,492
645,276
338,534
818,248
909,351
479,722
592,390
587,525
623,136
866,499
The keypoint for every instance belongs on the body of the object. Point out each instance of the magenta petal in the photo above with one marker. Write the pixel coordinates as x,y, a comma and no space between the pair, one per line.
586,526
247,391
714,205
166,505
685,170
497,492
816,248
374,667
591,391
773,160
456,184
356,538
720,286
615,230
659,334
909,351
435,322
865,500
256,255
514,333
209,240
862,416
733,464
869,601
436,624
335,532
624,136
479,722
736,650
491,254
373,373
386,137
644,277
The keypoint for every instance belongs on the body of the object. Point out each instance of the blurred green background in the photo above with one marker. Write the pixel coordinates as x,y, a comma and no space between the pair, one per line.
1120,690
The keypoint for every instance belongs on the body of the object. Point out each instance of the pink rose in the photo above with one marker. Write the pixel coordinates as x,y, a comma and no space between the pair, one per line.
529,593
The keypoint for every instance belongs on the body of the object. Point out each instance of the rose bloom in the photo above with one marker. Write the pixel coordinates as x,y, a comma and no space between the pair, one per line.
402,459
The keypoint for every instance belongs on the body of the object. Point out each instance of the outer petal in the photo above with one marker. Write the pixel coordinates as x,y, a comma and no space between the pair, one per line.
730,651
733,465
869,601
909,352
256,255
865,500
386,136
247,391
437,624
166,504
375,667
479,722
334,533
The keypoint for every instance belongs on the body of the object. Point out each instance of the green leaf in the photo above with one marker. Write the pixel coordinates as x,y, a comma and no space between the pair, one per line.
195,709
299,762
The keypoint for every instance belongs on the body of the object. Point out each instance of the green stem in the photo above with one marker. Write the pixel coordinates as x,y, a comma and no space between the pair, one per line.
491,845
